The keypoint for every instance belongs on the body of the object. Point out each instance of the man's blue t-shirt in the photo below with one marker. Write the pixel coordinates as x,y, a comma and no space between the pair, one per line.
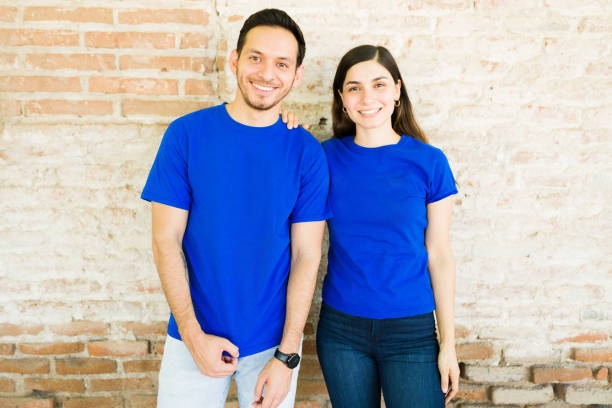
377,257
243,187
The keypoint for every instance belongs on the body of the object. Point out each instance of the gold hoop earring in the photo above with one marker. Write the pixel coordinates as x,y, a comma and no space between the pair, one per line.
397,103
344,109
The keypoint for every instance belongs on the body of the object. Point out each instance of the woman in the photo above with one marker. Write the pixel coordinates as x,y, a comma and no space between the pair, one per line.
390,261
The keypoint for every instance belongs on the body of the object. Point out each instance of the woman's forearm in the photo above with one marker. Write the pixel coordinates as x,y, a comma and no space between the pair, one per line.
442,273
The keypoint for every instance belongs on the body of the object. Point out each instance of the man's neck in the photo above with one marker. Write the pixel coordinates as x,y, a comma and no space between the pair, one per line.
242,113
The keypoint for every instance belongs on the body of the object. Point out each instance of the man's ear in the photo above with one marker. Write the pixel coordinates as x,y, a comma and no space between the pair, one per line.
299,72
233,60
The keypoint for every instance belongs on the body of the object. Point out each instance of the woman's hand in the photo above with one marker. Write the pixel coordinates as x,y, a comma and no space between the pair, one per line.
449,371
291,119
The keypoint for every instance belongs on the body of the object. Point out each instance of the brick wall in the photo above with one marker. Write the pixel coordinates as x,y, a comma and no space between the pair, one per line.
517,93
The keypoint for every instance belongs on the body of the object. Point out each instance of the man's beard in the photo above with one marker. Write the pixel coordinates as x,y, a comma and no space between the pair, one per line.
261,106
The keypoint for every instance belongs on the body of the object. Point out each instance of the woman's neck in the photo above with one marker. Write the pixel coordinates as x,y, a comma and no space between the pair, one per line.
376,137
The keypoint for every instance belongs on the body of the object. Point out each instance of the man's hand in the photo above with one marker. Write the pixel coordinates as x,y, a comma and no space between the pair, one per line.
207,351
276,378
449,371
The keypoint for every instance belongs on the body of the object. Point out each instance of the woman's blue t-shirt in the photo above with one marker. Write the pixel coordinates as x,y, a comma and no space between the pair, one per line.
243,187
377,257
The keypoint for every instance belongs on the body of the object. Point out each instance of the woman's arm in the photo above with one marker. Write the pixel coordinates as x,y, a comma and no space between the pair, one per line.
442,272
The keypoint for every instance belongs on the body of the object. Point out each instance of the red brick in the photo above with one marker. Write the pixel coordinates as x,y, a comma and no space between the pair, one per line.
7,60
66,107
472,392
26,402
8,329
161,108
85,366
159,347
8,13
54,384
180,16
143,86
543,375
80,327
310,367
309,347
165,64
593,355
601,373
129,40
198,87
118,348
474,351
7,349
194,40
24,365
122,384
461,332
140,366
10,107
7,385
80,62
100,402
141,401
311,387
50,38
139,329
584,338
40,84
72,14
51,348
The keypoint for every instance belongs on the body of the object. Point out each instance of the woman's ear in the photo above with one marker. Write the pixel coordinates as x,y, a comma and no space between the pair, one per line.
398,89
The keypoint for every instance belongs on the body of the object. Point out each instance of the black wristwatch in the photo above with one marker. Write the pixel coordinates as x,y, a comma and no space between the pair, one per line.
290,360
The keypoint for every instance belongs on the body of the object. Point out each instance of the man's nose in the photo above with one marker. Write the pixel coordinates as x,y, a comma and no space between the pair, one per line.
267,71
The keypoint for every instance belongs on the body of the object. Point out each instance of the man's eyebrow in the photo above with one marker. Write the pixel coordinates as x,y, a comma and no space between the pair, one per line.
254,51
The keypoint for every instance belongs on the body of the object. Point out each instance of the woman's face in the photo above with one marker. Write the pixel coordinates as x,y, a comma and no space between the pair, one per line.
368,94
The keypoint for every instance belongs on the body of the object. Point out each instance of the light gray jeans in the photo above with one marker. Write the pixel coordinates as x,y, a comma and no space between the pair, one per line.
182,385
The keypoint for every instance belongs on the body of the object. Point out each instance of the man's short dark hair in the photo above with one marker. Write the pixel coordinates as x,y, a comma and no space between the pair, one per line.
273,18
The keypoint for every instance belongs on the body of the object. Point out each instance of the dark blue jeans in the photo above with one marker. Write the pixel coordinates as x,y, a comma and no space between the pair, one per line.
361,356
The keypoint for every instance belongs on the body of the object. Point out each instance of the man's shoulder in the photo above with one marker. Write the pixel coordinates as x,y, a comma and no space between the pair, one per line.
197,117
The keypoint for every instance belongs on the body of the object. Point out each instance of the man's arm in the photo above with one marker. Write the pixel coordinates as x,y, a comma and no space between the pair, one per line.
441,267
169,225
306,240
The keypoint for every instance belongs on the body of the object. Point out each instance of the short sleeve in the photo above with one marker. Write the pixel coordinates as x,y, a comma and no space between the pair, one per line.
168,181
442,181
311,204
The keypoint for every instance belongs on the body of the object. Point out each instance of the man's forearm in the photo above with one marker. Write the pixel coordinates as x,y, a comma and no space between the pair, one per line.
173,274
300,289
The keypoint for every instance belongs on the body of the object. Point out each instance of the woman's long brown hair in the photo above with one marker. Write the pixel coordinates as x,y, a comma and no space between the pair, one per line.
402,120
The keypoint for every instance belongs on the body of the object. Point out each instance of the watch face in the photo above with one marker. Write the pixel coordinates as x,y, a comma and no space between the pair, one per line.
293,360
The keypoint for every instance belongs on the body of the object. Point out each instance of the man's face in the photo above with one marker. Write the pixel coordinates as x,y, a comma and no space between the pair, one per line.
266,68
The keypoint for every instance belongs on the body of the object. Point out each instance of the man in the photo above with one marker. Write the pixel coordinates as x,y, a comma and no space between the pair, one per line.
239,203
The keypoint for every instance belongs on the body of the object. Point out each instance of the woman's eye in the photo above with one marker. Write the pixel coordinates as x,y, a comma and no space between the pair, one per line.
379,85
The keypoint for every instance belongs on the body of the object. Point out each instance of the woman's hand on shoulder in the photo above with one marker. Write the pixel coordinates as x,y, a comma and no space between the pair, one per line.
291,119
449,371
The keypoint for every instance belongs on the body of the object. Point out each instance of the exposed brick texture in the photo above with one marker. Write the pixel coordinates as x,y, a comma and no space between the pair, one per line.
516,93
